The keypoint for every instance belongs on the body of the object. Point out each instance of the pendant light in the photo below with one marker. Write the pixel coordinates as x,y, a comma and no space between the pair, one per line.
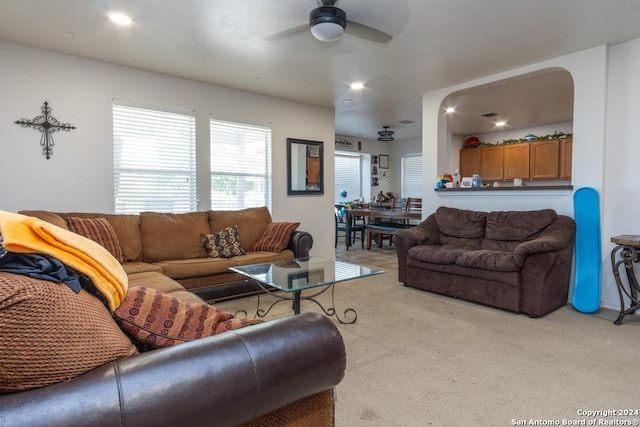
385,134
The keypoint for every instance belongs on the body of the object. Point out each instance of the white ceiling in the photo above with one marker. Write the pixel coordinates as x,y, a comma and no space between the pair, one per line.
437,43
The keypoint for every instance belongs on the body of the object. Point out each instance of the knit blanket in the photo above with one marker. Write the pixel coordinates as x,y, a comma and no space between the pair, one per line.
24,234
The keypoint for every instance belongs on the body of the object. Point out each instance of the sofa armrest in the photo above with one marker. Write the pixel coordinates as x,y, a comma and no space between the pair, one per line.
226,380
425,233
300,243
556,237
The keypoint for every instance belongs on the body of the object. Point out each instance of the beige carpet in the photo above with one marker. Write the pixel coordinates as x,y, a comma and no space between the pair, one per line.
419,359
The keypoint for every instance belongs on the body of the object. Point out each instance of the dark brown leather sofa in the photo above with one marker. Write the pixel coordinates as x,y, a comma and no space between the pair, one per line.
515,260
287,366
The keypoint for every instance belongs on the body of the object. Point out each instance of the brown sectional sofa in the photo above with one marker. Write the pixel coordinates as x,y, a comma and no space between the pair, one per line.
65,361
171,244
515,260
280,372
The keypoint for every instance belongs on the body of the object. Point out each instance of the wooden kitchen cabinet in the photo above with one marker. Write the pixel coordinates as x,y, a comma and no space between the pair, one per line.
516,161
469,161
544,159
566,152
492,163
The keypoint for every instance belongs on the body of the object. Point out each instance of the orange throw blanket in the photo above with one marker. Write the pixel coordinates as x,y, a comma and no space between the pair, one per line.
31,235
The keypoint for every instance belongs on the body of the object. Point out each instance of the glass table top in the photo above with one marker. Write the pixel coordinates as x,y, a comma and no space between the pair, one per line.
304,273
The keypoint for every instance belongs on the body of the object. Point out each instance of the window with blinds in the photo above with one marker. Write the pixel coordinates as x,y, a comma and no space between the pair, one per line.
240,165
347,177
154,156
412,175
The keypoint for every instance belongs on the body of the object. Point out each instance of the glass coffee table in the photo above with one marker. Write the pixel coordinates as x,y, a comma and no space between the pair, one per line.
286,280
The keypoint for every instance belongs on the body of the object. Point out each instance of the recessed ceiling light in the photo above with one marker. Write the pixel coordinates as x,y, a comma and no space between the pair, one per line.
120,18
346,101
501,124
451,110
357,86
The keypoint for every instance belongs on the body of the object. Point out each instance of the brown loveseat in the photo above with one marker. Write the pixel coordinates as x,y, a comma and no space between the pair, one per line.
171,244
515,260
64,361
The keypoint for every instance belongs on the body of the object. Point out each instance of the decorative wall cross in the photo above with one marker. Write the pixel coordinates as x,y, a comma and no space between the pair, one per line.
47,124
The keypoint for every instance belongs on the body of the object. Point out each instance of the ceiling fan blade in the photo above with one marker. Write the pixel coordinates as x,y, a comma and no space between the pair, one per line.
289,33
367,33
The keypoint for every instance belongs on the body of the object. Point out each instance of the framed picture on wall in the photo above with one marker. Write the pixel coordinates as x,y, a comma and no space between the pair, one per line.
384,161
345,144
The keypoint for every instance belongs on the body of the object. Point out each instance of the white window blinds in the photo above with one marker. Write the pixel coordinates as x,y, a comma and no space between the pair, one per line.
154,159
240,165
347,177
412,175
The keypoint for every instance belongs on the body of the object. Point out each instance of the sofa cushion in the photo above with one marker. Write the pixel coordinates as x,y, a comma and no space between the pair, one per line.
158,281
140,267
50,217
276,237
518,225
100,231
223,244
488,260
51,334
195,267
156,319
461,223
127,228
173,236
436,254
251,222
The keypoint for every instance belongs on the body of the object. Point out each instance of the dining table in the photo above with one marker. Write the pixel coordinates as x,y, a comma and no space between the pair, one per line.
384,213
378,215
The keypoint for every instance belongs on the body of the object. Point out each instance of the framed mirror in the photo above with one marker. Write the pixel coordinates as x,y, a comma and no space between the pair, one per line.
305,167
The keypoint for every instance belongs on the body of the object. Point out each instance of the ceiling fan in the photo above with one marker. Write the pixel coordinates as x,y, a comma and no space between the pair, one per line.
327,23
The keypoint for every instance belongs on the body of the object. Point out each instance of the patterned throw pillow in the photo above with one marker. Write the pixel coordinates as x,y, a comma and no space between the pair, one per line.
223,244
100,231
276,237
156,319
51,334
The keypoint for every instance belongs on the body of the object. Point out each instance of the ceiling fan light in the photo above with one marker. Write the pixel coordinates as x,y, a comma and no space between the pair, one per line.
327,31
386,134
327,23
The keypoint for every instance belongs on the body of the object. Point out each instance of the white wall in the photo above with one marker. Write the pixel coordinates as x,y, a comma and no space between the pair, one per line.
621,198
589,70
79,176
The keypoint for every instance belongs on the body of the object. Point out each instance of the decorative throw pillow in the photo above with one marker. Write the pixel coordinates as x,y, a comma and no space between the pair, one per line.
156,319
100,231
223,244
51,334
276,237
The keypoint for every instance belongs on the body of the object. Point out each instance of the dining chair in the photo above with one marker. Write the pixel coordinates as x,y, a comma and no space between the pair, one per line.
385,230
414,204
350,229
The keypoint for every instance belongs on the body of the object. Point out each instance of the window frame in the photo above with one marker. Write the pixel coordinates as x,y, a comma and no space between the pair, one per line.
142,133
238,178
